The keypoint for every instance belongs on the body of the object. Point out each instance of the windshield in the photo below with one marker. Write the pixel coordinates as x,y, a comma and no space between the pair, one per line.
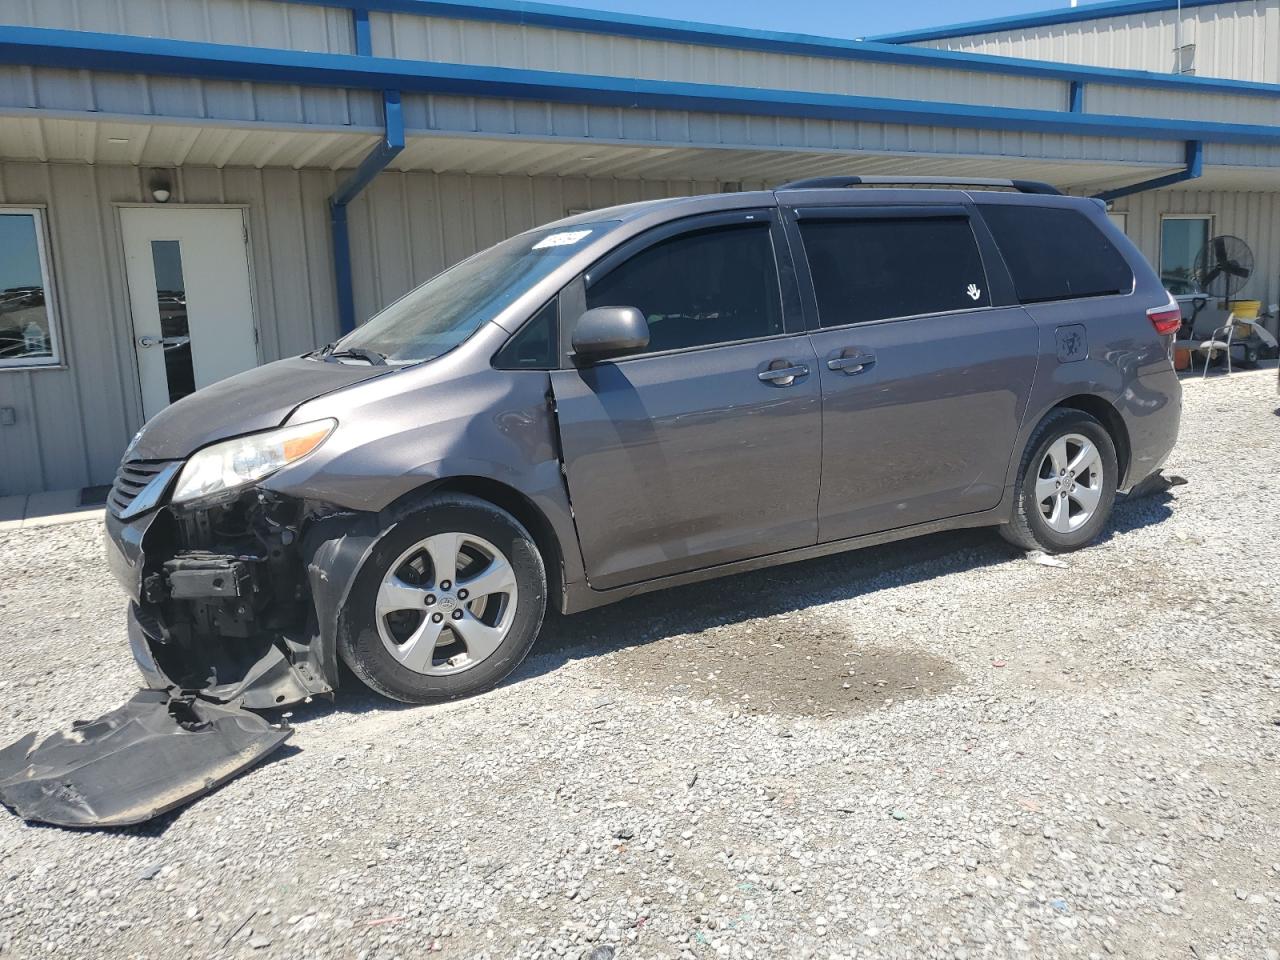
434,318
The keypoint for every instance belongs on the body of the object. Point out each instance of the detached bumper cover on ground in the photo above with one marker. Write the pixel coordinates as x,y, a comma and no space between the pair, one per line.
234,608
142,759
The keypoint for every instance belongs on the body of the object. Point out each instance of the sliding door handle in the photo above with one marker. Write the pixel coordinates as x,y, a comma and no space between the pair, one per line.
850,365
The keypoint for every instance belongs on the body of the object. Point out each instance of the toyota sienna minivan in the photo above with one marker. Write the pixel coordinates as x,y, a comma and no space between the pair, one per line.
635,398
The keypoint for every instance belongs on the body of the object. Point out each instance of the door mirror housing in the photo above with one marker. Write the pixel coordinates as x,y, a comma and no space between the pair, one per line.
603,333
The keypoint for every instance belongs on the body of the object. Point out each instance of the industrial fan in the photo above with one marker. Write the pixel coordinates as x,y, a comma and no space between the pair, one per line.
1224,266
1222,270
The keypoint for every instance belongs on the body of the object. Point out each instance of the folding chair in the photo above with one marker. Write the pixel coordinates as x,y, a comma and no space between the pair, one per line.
1216,342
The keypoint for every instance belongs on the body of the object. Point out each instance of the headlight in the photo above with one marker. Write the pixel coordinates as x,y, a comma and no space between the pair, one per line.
233,463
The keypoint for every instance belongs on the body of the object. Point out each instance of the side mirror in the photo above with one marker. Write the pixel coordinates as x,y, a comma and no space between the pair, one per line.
605,332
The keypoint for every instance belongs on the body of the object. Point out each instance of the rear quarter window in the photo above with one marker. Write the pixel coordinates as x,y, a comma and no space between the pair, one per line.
1055,253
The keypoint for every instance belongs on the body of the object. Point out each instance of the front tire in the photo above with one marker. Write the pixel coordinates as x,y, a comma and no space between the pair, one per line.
447,604
1066,484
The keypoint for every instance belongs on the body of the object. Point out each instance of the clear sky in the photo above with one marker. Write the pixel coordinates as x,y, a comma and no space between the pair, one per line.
832,18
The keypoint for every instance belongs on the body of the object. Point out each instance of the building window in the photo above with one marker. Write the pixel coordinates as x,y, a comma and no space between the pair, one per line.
1181,240
28,332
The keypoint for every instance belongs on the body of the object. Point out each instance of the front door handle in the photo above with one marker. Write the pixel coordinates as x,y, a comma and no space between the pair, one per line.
854,363
783,376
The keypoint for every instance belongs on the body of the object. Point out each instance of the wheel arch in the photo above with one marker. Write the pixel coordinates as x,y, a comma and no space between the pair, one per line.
508,498
1105,413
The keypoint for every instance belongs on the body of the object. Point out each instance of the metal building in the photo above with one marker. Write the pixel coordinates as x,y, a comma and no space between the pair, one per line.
190,187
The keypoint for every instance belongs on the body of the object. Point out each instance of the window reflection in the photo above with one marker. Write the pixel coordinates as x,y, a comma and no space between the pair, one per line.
175,334
26,327
1181,240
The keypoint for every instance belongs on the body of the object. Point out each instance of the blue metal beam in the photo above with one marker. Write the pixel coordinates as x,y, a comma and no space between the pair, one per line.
363,36
1075,97
1193,171
377,160
609,23
95,51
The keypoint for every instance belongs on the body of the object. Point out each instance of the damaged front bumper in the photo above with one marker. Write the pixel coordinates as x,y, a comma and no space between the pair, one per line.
234,606
239,597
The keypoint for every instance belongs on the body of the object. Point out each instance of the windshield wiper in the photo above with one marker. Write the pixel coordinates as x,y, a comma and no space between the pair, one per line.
371,357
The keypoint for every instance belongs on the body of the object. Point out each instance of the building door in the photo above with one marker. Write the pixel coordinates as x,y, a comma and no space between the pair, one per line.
189,290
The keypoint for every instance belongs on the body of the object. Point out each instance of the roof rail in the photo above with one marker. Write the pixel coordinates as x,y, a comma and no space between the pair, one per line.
1022,186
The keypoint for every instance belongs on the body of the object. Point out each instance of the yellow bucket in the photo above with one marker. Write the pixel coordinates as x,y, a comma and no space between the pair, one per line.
1246,309
1246,314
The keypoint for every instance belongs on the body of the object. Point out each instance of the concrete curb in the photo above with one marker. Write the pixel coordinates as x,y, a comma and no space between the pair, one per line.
45,509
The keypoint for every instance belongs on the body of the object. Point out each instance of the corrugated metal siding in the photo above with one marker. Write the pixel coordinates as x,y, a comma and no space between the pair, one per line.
407,227
261,23
125,96
122,94
415,37
539,48
73,423
682,128
1239,41
1145,102
1253,217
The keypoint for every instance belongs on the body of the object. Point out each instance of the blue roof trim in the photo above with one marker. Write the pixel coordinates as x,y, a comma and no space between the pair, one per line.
768,41
96,51
1092,11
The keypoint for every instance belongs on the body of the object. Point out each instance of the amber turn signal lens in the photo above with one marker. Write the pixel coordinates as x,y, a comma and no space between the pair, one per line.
296,447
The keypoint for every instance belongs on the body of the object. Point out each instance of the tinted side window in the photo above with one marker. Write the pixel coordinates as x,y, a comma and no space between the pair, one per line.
1056,254
535,346
711,286
875,269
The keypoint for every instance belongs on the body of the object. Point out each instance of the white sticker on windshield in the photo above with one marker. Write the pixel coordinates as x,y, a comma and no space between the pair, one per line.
566,239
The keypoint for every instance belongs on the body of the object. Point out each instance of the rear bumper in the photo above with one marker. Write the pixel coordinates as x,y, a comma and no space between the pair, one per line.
1152,410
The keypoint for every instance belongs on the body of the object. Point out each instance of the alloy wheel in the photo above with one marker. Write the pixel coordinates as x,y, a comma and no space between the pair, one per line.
1069,483
446,604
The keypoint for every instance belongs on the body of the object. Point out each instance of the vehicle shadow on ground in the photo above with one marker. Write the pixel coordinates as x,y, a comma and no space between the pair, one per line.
714,603
792,587
742,597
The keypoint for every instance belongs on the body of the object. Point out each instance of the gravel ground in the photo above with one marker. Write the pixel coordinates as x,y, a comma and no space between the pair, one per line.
937,749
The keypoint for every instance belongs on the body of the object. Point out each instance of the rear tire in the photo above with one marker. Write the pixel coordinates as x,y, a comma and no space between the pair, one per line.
1066,484
448,602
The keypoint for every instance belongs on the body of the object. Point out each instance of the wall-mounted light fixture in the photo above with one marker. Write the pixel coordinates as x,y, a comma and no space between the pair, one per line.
161,188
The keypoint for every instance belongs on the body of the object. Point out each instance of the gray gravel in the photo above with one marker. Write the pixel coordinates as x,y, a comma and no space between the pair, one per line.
933,749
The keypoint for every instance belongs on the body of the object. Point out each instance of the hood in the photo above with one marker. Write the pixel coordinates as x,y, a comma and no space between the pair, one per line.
257,399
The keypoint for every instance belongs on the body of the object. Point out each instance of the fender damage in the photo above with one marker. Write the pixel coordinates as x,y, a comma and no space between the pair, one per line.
233,608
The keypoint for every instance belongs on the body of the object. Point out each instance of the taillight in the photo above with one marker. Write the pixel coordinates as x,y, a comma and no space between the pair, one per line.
1166,318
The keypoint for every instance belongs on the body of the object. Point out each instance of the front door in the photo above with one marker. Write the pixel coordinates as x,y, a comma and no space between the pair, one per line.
189,290
704,449
924,380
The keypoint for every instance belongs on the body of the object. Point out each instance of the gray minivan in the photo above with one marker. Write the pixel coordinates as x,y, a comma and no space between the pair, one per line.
634,398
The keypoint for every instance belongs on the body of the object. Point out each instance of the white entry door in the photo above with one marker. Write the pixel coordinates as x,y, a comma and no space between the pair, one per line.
193,325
